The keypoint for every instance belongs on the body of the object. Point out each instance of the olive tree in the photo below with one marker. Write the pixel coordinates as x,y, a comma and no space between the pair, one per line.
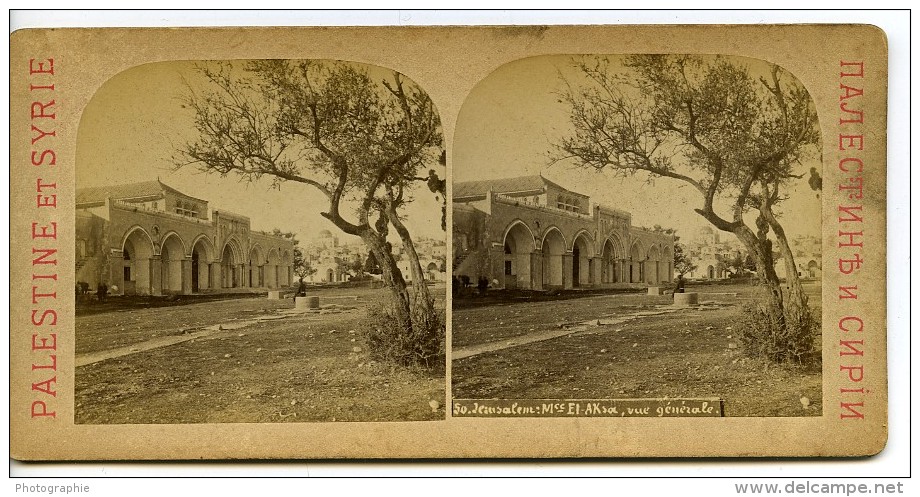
712,123
354,141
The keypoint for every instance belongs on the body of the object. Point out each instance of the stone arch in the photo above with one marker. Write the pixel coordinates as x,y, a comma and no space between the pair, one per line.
637,257
517,223
582,259
667,264
553,245
653,270
173,234
813,268
518,245
137,250
172,258
137,231
202,258
272,268
431,271
256,265
613,256
231,263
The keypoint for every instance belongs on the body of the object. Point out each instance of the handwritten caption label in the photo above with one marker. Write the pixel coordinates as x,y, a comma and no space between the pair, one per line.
537,408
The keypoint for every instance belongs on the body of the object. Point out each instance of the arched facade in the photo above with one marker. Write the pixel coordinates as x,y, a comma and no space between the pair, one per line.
148,239
583,260
136,253
256,266
518,248
530,233
172,260
202,258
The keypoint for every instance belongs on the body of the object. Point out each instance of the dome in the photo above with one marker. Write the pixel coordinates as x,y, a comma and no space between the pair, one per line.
325,234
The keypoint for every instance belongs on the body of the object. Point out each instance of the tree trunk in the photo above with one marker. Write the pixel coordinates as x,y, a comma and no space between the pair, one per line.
796,301
763,259
392,277
423,299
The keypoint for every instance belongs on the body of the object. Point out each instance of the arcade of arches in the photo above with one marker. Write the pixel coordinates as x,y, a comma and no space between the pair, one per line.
530,245
179,268
138,252
534,261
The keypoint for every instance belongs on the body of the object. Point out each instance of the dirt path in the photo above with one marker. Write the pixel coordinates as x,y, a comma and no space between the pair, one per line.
203,332
566,329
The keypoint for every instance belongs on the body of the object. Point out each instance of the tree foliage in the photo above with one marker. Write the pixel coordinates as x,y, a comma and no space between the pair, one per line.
302,266
711,123
357,143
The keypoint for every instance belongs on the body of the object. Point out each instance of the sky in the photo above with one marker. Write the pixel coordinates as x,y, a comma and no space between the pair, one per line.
510,120
134,123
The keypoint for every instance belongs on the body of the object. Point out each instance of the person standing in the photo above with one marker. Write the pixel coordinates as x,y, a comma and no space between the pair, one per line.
102,292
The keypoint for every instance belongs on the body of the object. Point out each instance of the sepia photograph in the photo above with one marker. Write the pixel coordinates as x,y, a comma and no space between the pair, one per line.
666,241
259,241
637,235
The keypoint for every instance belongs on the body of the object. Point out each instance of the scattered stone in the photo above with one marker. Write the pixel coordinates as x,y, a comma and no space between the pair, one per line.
635,345
294,402
729,336
356,349
212,373
331,331
352,339
603,351
717,367
708,328
259,349
732,345
227,356
805,402
435,405
241,335
728,328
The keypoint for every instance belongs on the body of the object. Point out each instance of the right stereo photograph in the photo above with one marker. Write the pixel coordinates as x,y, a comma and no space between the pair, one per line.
637,235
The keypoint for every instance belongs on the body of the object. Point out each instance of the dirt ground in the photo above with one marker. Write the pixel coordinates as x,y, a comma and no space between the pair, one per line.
628,346
261,364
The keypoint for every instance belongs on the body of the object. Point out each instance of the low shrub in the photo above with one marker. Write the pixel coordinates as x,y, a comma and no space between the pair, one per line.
769,333
407,340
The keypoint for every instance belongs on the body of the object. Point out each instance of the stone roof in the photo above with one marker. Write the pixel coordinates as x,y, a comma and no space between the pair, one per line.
520,184
143,189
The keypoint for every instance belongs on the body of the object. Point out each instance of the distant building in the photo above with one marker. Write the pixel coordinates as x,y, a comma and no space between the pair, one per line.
431,256
330,258
806,250
150,239
709,253
530,233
